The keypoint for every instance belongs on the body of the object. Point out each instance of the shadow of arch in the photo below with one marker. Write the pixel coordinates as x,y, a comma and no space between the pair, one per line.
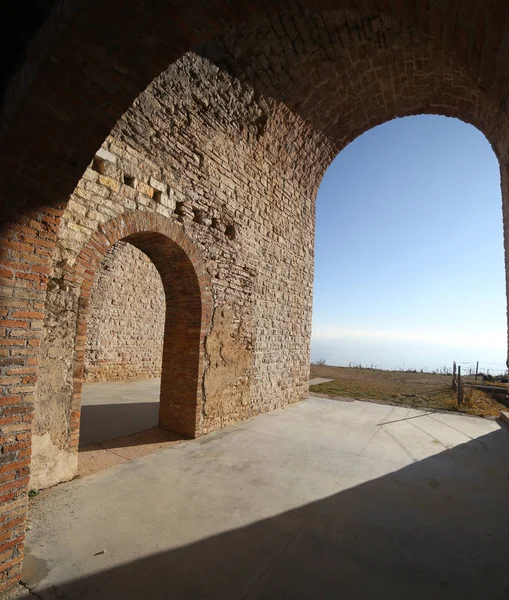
187,319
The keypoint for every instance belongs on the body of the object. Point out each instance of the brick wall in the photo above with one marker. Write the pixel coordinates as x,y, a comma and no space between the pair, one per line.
237,172
25,251
126,319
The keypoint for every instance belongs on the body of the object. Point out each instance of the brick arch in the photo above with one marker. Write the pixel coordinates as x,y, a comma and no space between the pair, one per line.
349,72
104,73
80,76
380,86
188,313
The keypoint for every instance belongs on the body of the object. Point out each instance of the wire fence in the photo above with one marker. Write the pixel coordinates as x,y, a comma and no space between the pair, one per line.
490,380
482,368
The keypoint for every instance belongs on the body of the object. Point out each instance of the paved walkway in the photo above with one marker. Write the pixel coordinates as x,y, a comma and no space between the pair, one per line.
118,423
321,500
119,408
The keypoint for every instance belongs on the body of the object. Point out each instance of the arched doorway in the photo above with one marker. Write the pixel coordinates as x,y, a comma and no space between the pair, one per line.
417,204
186,290
123,355
186,312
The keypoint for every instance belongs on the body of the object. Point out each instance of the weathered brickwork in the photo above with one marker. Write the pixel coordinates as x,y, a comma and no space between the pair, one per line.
214,187
126,320
25,249
212,173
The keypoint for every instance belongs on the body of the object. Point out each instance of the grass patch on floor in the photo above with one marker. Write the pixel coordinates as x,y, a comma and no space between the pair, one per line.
415,390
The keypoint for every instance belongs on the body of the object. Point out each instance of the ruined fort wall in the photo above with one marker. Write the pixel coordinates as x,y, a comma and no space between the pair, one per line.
235,172
238,174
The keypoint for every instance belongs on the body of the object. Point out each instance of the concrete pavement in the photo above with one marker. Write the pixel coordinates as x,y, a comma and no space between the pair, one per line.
323,499
114,408
111,409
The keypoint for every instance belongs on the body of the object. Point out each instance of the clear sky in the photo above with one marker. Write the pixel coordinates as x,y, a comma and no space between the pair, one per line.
409,268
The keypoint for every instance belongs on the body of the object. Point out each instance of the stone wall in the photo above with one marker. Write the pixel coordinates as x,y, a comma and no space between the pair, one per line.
126,319
215,160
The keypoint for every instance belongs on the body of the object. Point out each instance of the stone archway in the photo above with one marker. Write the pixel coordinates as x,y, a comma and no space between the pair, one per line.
187,289
125,328
187,319
75,47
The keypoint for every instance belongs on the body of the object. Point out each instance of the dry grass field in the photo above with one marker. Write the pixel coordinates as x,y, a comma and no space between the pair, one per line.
416,390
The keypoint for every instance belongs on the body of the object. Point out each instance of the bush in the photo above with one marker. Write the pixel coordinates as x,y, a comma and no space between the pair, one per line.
319,363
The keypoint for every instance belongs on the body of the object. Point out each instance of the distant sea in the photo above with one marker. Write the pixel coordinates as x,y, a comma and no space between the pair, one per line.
402,355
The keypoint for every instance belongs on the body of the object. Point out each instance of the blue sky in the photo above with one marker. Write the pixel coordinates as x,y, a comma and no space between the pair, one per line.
409,266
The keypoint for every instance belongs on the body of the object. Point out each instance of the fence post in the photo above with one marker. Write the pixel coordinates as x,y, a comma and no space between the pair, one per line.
460,391
476,369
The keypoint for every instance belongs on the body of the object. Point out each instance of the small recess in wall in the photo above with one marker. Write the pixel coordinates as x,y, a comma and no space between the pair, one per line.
98,165
158,195
197,215
214,223
230,232
129,180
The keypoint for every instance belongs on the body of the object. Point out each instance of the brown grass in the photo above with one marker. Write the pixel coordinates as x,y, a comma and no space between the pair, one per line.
415,390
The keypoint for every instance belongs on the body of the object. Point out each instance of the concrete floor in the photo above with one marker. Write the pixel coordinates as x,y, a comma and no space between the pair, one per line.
118,408
114,408
324,499
119,423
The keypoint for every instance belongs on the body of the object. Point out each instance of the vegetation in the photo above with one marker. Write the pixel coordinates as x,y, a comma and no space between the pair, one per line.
319,363
400,387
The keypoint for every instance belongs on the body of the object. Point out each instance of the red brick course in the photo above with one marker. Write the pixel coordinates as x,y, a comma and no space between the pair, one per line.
22,296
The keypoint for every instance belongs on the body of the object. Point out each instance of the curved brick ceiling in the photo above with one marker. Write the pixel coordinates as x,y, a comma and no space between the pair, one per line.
91,59
19,24
345,73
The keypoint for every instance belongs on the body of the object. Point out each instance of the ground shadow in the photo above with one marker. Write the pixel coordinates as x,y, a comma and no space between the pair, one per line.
438,528
103,422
